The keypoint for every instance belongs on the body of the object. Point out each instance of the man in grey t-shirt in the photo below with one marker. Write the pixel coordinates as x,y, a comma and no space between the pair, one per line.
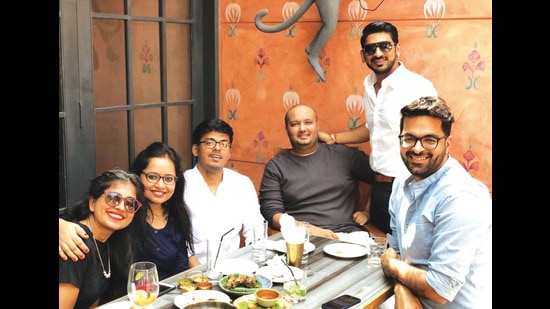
313,182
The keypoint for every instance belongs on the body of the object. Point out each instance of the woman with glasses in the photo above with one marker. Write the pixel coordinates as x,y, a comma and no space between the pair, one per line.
112,202
161,233
388,87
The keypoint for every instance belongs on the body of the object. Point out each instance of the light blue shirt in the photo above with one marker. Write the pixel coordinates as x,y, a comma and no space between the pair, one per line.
443,224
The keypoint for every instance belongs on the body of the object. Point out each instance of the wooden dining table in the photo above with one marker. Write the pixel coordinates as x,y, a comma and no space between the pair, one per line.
328,276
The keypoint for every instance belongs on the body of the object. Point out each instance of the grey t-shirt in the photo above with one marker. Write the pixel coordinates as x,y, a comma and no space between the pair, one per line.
317,188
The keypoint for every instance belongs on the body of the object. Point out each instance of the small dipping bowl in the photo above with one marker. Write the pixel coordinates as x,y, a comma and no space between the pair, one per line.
198,279
191,283
186,285
267,297
204,285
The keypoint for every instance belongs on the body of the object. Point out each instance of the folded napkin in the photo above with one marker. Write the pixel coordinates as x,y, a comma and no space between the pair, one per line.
276,260
359,237
291,233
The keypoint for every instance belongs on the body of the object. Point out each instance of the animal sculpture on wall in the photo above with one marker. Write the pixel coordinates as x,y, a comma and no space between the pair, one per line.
328,11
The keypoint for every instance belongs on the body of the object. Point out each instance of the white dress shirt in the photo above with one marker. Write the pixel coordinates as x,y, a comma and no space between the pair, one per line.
383,114
235,205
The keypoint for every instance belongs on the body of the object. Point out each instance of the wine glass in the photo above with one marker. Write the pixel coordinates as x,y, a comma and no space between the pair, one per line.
143,284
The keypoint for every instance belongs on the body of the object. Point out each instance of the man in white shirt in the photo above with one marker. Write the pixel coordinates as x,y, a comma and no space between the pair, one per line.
388,88
218,198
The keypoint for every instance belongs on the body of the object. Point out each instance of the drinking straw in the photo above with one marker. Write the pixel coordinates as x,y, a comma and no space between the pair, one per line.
221,241
291,272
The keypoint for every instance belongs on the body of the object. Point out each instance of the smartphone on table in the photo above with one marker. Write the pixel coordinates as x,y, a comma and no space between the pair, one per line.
165,288
341,302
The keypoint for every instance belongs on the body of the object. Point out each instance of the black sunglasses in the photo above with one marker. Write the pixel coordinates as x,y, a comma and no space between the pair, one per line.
384,46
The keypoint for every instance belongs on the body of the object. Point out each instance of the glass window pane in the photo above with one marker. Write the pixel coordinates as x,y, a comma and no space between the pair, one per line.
179,132
144,8
177,9
178,61
145,62
109,62
148,127
108,6
111,141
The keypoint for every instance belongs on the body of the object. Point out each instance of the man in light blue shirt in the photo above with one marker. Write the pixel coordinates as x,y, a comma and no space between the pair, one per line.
440,253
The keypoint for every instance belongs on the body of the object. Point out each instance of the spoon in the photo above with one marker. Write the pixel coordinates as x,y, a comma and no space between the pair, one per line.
283,258
219,247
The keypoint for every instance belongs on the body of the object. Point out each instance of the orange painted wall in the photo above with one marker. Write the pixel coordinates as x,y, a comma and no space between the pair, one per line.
261,72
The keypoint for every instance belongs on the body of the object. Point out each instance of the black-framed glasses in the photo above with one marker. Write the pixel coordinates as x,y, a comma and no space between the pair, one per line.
384,46
211,143
154,178
113,198
428,142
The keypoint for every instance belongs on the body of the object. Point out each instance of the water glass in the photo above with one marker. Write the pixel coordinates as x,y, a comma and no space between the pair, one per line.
305,254
214,257
377,246
259,248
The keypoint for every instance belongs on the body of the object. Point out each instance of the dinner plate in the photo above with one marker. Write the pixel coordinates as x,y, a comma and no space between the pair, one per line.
345,250
279,273
280,245
237,266
196,296
261,282
244,301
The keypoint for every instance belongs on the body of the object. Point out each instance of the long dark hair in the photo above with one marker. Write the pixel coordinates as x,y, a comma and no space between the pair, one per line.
174,206
120,241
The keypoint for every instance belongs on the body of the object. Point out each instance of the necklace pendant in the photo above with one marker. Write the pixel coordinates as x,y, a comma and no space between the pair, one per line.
106,275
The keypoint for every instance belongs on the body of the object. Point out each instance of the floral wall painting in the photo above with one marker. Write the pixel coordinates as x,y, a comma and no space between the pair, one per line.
233,15
290,98
324,62
475,64
289,8
450,43
434,11
354,107
357,12
260,143
146,56
260,61
233,100
469,156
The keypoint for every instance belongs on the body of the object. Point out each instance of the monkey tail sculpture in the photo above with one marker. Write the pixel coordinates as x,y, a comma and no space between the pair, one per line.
285,24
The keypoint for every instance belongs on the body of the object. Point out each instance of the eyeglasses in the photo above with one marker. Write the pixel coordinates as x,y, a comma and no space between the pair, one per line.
211,143
370,49
154,178
113,198
428,142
